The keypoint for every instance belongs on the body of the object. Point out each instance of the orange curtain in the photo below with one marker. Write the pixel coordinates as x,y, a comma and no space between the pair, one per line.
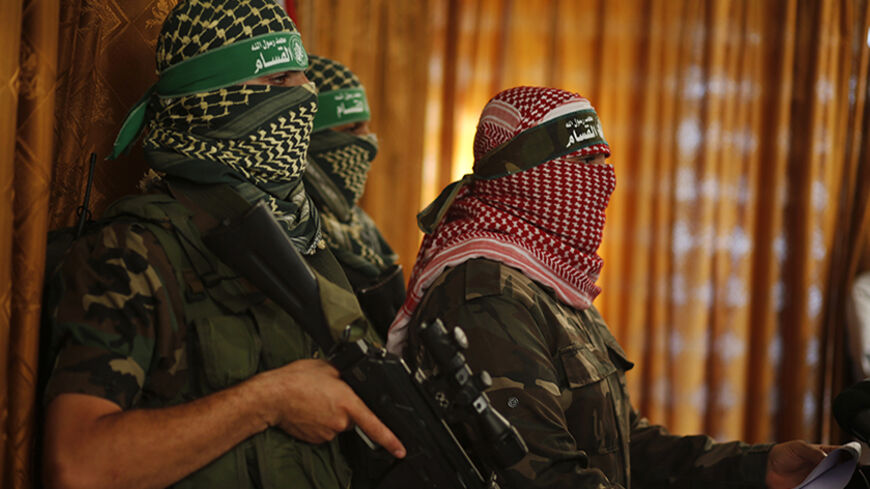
106,63
851,248
739,138
10,38
27,108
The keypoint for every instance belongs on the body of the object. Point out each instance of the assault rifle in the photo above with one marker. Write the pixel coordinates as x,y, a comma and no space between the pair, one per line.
454,438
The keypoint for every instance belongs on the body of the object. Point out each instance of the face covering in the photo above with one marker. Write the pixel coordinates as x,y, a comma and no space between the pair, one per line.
251,137
206,126
530,204
345,159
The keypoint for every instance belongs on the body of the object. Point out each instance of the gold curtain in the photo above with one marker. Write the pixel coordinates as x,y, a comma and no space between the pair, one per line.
739,138
10,38
9,69
106,63
27,107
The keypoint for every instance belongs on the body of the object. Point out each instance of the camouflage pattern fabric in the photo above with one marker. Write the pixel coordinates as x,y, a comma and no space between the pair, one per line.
559,377
147,316
118,318
137,324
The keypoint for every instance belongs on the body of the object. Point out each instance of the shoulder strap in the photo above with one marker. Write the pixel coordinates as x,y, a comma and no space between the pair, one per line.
177,225
482,278
325,192
220,203
210,203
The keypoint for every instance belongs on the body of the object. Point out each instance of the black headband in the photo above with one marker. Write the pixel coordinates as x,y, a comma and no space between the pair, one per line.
552,139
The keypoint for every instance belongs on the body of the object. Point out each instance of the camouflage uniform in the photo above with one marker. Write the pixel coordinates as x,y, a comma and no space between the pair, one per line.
559,377
141,324
117,319
148,317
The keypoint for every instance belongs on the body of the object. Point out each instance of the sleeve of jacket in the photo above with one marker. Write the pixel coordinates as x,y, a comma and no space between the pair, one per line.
505,340
113,300
660,459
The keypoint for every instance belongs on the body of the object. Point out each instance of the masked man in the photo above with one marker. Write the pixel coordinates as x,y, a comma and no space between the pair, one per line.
170,369
510,256
342,149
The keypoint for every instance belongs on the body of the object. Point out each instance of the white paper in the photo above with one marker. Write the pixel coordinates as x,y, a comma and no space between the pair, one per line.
835,470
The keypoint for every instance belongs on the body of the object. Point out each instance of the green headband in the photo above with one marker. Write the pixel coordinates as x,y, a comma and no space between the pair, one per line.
550,140
343,106
220,67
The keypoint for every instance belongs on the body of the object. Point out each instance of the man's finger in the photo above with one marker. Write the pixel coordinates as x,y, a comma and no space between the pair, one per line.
375,429
812,453
828,448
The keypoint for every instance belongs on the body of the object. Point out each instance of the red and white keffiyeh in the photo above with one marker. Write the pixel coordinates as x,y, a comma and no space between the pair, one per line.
546,221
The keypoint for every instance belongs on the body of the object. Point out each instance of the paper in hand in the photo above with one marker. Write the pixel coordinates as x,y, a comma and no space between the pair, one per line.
835,470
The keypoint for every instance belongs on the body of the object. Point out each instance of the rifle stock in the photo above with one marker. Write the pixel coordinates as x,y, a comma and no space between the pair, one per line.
256,247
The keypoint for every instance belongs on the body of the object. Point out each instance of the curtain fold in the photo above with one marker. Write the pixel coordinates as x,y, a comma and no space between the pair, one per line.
740,152
106,63
28,169
10,39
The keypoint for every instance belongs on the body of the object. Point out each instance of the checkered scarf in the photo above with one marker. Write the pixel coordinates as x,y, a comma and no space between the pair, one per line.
252,137
546,221
338,165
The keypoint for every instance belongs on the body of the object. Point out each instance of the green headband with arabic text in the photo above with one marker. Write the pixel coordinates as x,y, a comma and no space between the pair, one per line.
343,106
220,67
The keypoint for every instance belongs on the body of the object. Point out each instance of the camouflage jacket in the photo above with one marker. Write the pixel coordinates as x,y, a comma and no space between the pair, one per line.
138,325
118,318
559,377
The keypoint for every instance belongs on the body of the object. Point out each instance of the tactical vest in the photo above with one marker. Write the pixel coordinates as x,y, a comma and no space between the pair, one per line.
233,334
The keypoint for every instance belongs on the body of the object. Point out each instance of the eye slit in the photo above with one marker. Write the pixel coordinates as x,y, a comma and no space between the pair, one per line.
584,159
278,78
594,159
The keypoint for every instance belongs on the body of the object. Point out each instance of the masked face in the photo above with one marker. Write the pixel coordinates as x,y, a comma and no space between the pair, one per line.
260,131
565,199
596,159
280,79
346,157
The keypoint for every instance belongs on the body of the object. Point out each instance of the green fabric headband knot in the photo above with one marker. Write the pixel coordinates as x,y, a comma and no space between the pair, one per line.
220,67
555,138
